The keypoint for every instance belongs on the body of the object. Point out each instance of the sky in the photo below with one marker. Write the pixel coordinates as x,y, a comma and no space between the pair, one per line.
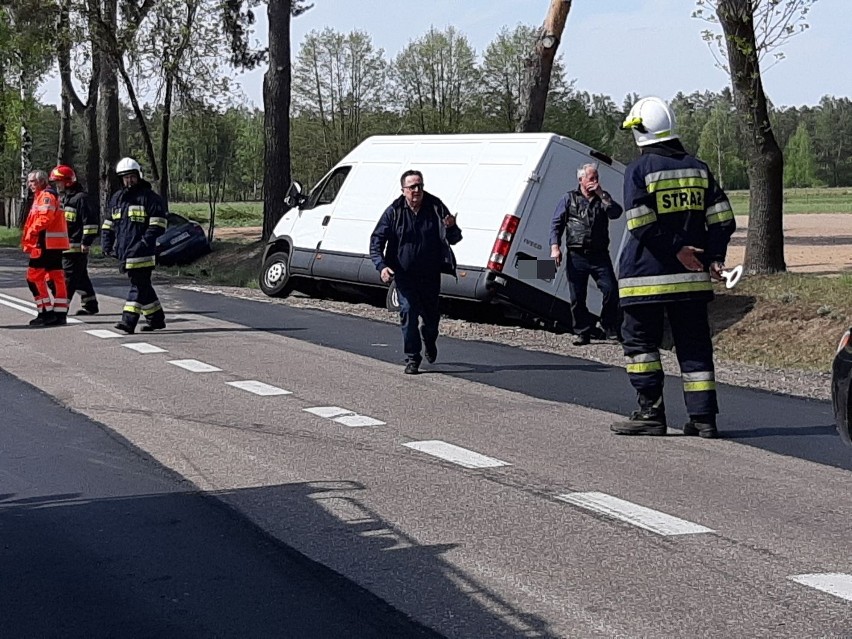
610,47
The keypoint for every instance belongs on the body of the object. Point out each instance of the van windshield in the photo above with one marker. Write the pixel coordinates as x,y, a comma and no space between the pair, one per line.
326,190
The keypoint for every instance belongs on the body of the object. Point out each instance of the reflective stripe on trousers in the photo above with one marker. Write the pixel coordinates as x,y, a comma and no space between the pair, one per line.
643,333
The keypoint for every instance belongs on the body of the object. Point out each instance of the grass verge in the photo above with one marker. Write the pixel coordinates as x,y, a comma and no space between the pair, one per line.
824,200
227,214
790,320
232,263
10,237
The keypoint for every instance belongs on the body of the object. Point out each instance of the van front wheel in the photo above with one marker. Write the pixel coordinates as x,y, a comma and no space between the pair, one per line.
392,302
275,275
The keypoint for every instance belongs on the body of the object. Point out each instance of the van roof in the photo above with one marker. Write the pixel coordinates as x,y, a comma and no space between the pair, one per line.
543,138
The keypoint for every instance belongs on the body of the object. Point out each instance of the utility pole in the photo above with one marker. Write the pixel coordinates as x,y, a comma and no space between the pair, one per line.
539,66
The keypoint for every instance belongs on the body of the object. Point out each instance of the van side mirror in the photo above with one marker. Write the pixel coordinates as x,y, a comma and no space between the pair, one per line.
294,197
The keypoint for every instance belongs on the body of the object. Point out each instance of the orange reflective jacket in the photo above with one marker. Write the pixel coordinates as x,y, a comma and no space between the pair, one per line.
45,228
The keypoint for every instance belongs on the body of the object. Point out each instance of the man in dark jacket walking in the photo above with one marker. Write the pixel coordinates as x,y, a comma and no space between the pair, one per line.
585,213
83,221
411,245
135,219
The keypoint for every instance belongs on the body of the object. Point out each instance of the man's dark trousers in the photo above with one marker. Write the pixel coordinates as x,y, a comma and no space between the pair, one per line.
418,298
142,299
76,267
598,265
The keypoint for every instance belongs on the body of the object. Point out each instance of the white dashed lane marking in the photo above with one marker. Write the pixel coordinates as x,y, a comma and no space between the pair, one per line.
344,416
194,366
103,333
358,421
834,583
631,513
328,412
144,348
259,388
456,454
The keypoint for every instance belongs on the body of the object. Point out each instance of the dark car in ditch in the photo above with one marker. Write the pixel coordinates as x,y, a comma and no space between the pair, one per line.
183,242
841,375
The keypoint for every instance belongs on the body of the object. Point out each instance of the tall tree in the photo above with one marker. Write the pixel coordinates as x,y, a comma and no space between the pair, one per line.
800,168
503,73
719,144
77,24
26,53
337,80
539,66
833,140
437,81
276,94
751,30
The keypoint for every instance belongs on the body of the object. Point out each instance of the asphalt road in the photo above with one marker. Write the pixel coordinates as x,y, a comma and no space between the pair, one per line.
485,499
99,540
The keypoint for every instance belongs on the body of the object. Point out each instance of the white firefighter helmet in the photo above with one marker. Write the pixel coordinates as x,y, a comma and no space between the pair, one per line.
651,120
128,165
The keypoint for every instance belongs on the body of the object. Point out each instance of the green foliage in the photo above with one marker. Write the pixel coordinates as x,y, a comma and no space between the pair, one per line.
802,201
345,89
10,237
800,161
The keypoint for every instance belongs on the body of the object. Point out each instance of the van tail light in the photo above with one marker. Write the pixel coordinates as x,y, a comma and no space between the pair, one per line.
844,341
500,250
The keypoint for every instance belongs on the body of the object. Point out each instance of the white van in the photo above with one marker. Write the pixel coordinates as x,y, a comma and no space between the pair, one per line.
502,188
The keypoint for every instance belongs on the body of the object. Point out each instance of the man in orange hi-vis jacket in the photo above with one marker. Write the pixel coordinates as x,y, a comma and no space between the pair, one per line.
45,238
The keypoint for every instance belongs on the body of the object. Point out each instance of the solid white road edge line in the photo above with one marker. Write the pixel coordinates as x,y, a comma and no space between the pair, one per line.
17,307
834,583
259,388
12,298
27,306
144,348
456,454
103,333
194,366
634,514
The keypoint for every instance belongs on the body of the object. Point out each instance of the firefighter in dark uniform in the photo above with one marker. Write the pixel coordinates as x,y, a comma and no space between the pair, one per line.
135,218
82,220
679,222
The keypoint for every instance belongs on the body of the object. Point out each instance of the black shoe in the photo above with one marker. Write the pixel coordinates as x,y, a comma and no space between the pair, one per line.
431,354
57,319
153,326
701,425
91,309
645,421
126,328
37,321
612,335
582,340
412,368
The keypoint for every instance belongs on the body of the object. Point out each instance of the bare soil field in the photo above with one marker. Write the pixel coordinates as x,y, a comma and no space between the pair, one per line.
814,243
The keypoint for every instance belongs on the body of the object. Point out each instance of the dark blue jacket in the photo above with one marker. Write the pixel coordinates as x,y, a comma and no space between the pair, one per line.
672,201
82,219
135,218
399,244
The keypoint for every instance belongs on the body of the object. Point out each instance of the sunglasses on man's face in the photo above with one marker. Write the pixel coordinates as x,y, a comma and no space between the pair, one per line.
414,187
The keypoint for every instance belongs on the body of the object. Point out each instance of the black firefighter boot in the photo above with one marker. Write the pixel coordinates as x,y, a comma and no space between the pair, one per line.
702,425
650,419
38,320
